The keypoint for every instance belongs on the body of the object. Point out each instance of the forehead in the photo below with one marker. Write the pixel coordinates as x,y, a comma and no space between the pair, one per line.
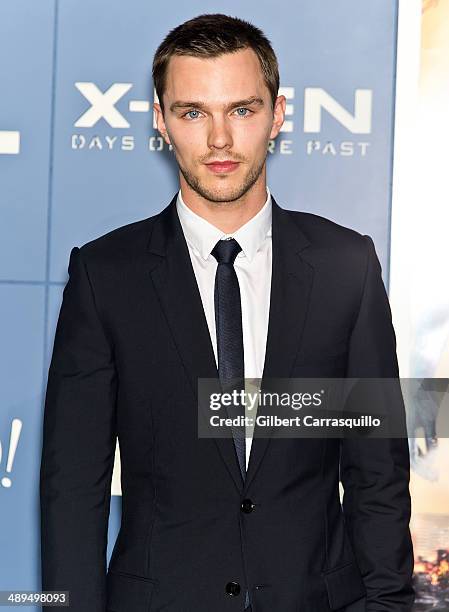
232,75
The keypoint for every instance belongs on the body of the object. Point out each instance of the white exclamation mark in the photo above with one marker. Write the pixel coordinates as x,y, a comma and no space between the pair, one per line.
9,142
16,428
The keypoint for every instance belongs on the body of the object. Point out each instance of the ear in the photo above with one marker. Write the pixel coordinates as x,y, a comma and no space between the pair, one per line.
159,117
278,115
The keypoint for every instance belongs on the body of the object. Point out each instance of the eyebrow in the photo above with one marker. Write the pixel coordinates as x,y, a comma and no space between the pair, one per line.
253,100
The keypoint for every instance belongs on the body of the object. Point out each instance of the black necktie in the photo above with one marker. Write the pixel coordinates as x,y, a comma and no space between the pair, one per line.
228,322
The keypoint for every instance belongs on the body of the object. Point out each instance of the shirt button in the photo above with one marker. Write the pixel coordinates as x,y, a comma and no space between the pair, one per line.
233,588
247,506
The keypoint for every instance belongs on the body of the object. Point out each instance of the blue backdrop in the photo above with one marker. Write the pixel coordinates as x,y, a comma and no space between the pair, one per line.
79,156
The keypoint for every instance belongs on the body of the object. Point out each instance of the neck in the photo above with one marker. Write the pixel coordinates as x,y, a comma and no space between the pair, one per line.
227,216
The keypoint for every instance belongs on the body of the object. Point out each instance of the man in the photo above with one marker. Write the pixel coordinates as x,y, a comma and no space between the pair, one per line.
223,282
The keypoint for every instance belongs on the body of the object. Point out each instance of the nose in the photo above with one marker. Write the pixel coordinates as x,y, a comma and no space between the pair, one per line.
219,135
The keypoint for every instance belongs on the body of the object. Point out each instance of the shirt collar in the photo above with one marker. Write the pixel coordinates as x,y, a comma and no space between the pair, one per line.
203,236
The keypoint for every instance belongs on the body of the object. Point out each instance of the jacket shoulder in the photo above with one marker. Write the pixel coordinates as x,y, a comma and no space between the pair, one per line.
121,243
323,232
341,249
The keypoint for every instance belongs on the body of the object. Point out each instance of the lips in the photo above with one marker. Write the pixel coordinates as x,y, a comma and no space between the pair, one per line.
222,167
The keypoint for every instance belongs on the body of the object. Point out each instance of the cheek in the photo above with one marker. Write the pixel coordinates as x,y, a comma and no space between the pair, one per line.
184,147
190,143
252,137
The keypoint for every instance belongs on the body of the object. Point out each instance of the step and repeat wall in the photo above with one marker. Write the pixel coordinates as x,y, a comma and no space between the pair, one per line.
80,155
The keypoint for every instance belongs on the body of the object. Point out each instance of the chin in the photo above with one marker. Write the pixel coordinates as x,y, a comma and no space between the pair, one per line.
223,195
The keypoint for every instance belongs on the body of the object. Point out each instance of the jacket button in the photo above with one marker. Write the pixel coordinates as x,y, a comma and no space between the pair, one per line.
233,588
247,506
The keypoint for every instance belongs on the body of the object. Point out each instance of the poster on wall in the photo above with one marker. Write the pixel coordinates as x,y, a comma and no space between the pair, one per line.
420,296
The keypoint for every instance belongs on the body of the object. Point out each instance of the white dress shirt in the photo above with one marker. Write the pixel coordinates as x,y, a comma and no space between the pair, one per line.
253,269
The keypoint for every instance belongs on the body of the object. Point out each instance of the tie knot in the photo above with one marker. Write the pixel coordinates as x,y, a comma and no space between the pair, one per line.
225,251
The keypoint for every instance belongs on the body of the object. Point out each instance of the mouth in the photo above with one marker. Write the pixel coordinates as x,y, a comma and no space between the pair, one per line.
222,167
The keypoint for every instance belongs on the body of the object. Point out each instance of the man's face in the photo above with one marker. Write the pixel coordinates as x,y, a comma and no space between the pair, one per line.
219,110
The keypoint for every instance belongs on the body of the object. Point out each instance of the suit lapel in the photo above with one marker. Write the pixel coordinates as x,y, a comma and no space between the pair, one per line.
175,284
291,283
174,281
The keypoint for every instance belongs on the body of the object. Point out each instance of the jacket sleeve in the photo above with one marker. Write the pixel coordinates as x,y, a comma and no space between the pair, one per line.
375,472
78,449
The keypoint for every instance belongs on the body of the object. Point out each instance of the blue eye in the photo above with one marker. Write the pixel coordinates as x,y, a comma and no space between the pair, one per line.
247,111
189,113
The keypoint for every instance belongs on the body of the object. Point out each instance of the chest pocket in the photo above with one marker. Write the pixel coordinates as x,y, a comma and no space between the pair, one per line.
320,364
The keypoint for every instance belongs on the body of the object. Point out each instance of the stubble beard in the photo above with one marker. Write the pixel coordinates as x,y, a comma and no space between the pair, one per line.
215,195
